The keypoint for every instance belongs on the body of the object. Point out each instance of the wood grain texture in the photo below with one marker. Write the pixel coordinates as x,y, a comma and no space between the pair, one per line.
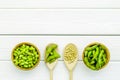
87,20
59,4
9,72
7,43
60,21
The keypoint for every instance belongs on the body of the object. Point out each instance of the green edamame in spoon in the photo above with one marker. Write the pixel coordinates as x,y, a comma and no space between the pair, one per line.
51,53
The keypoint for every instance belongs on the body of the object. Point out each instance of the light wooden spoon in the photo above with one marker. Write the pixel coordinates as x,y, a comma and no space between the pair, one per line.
71,66
51,66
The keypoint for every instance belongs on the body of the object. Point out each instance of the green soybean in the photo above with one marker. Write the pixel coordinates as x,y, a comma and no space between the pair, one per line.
56,54
25,56
51,61
89,54
92,62
50,58
104,58
99,63
51,53
101,54
91,48
95,56
88,64
51,48
86,53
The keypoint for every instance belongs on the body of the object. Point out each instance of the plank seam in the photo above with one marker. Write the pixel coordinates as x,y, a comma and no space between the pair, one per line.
59,34
78,60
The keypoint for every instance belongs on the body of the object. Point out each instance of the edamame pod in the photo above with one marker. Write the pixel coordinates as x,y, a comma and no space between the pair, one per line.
101,54
92,62
46,55
51,47
89,54
104,58
52,60
86,53
96,54
91,48
99,61
56,54
51,54
88,64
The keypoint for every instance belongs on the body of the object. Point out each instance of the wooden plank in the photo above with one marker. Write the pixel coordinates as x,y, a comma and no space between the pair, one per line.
59,4
9,72
60,21
7,43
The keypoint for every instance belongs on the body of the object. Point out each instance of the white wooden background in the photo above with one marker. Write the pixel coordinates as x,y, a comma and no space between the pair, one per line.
61,21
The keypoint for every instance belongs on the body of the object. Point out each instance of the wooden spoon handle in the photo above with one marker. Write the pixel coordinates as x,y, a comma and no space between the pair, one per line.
71,75
51,74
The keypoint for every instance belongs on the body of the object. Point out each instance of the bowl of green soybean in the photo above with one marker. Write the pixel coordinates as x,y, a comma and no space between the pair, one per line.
96,56
25,56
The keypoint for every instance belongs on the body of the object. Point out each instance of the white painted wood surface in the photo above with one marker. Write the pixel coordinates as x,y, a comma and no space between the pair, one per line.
112,42
41,72
59,4
60,21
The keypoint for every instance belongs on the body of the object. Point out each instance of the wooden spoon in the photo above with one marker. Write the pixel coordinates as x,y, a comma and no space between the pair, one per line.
71,66
51,66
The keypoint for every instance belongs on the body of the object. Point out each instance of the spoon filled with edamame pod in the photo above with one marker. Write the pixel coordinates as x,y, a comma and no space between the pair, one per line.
70,58
51,56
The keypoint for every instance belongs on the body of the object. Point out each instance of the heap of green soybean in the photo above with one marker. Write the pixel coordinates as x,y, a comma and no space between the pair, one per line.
95,56
51,53
25,56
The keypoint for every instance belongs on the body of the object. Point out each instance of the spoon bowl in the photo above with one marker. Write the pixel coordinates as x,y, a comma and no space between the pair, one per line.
51,66
70,66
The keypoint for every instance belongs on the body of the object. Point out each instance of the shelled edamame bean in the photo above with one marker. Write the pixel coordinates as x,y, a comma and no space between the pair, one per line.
96,56
25,56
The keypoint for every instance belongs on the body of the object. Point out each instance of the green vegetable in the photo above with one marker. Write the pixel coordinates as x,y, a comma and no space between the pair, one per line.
52,61
50,58
56,54
99,63
95,56
92,62
86,53
104,58
89,54
25,56
51,54
91,48
88,64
